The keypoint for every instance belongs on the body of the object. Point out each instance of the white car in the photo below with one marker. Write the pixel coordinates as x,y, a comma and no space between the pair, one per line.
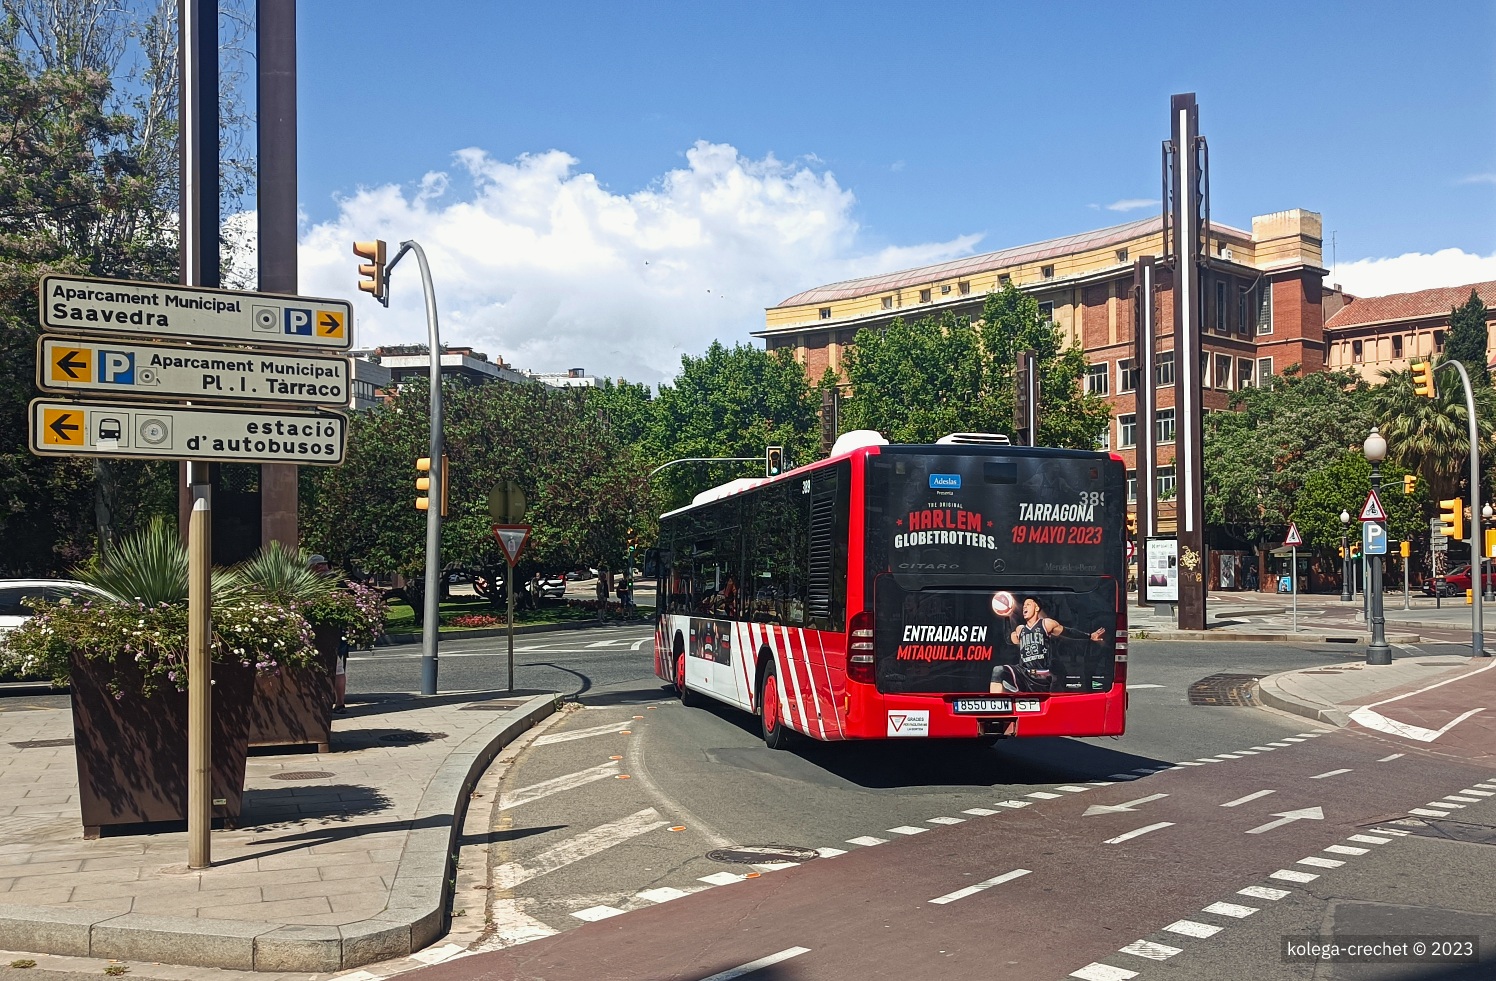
13,612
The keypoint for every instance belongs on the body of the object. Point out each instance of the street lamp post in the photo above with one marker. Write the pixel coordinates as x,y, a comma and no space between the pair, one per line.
1345,558
1378,651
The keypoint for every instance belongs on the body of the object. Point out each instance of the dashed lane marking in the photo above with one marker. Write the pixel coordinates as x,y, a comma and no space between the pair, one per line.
1320,863
1346,850
951,897
979,812
1264,892
905,829
867,840
721,878
1103,972
1293,875
1235,910
1042,795
1389,759
830,852
1329,773
662,894
760,964
1428,812
1014,803
1189,928
1249,797
945,820
1464,800
1151,950
595,913
1140,831
1073,790
1369,839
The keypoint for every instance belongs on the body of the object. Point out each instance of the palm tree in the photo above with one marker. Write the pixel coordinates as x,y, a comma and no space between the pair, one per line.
1430,436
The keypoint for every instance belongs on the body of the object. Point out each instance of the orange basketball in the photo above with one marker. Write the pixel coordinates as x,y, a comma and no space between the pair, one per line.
1003,603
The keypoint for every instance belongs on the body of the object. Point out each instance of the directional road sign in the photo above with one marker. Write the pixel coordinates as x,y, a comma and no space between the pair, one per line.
151,431
202,374
1374,537
112,306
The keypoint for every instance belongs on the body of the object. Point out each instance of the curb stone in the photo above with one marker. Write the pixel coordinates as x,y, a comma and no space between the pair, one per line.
1273,696
415,917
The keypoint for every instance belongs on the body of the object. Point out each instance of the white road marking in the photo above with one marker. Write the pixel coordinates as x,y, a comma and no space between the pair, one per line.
1231,909
584,845
605,643
1480,793
1287,817
1131,805
980,812
1320,863
1428,812
1328,773
762,962
595,913
1372,719
663,894
574,734
1487,786
1263,749
556,785
867,840
1014,803
1464,800
945,820
1103,972
1150,950
1389,759
1283,745
774,866
1042,795
1346,850
951,897
1207,759
641,643
1369,839
1263,892
1227,756
721,878
1446,802
1295,739
830,852
1293,875
1396,832
1140,831
1188,763
1243,800
512,927
1189,928
435,955
905,829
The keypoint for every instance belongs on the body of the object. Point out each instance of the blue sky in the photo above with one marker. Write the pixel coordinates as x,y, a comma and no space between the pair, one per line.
613,185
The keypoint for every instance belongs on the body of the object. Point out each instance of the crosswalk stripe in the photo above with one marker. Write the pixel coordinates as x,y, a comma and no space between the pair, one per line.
556,785
584,845
572,734
951,897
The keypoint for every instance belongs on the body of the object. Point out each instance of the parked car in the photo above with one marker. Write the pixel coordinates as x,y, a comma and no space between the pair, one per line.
550,586
13,593
1458,579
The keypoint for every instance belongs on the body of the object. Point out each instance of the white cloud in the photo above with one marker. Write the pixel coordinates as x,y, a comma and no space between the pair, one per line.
1413,271
537,262
1132,204
1478,179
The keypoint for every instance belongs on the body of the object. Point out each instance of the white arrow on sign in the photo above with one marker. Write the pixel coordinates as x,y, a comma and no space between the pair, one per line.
1288,817
1119,808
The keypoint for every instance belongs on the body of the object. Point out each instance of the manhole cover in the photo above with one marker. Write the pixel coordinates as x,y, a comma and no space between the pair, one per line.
763,854
42,743
1224,689
301,775
412,737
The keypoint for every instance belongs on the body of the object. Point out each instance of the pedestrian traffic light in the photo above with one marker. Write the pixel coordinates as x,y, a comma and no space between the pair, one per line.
1423,379
774,461
373,270
1410,484
1452,518
423,484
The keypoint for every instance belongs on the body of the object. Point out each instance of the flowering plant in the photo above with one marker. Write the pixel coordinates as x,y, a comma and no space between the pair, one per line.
357,610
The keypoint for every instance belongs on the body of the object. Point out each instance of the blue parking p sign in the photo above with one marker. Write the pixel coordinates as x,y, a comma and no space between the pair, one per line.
1374,537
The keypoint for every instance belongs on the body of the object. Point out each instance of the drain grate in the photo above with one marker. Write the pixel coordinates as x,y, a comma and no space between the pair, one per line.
43,743
1224,689
763,854
501,706
412,737
300,775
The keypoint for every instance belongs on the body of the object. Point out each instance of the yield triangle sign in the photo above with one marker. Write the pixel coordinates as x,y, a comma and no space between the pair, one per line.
1372,510
512,539
1294,538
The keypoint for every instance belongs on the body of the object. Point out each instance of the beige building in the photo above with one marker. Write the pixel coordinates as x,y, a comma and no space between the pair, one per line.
1373,334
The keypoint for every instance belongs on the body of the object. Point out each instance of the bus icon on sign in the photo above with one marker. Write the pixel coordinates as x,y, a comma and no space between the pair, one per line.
298,321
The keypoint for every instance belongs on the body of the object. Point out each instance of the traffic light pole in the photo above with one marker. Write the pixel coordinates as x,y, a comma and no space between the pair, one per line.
431,621
1477,632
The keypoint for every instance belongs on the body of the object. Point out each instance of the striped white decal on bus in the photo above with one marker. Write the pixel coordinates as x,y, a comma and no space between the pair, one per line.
744,650
837,730
810,676
786,651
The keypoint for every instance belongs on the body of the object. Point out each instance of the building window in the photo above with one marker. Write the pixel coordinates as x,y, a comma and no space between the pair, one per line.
1046,312
1132,486
1241,311
1104,441
1265,309
963,287
1264,372
1004,280
1163,368
825,313
1221,325
924,296
1163,425
1096,378
1223,371
1046,272
1438,342
1121,255
1127,375
1165,479
1243,372
1397,345
888,303
945,289
1357,355
1127,430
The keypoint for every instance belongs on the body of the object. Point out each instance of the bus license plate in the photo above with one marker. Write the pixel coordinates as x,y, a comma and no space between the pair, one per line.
967,706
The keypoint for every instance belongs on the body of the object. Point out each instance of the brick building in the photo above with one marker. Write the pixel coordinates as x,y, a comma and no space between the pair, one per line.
1373,334
1262,311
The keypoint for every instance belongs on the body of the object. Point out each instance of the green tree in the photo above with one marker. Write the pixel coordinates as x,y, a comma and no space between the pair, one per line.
1431,437
1466,342
1343,485
731,402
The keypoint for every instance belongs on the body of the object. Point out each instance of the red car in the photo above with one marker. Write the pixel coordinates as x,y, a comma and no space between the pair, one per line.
1457,580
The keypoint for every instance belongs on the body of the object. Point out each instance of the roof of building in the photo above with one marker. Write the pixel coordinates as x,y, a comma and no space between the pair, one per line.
988,261
1408,306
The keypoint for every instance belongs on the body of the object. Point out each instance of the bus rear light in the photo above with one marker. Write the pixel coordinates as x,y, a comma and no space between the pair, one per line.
860,649
1120,677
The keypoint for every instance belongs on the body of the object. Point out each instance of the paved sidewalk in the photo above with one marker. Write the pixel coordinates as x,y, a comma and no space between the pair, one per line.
341,858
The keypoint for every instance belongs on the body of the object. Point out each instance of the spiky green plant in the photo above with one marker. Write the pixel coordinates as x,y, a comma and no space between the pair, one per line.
279,573
149,566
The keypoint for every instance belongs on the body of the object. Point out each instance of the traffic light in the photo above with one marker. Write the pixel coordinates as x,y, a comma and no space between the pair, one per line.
1410,484
373,270
423,484
1405,549
1423,379
1452,518
774,461
1132,525
1342,551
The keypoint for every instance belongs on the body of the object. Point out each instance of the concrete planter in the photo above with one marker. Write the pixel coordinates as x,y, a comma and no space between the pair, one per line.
294,707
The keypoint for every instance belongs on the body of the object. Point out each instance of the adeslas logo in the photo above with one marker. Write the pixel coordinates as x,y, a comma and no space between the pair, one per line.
945,481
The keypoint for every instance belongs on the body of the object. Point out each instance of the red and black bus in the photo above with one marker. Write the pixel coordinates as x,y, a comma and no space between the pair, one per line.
966,588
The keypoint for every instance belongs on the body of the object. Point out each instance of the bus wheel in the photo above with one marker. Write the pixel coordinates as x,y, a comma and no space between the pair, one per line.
776,733
687,696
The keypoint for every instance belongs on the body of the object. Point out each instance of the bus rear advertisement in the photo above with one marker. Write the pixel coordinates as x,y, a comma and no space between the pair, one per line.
948,590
